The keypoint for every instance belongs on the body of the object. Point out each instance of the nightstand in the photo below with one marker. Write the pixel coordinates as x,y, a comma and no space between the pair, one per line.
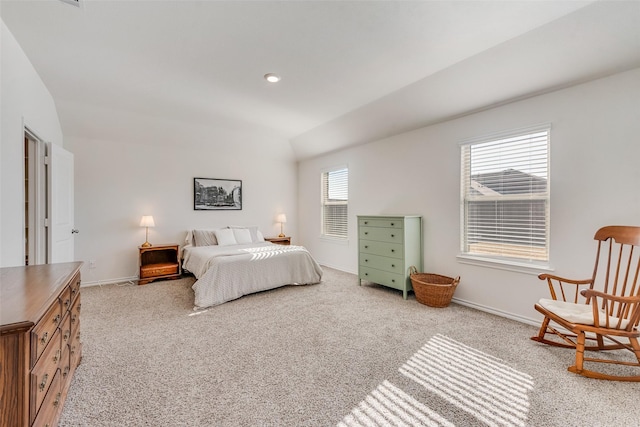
158,262
279,240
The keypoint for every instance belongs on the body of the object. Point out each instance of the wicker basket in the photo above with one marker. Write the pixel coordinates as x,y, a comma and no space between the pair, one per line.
433,290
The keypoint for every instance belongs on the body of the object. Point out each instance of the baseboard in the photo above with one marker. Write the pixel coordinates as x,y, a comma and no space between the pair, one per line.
339,268
133,280
497,312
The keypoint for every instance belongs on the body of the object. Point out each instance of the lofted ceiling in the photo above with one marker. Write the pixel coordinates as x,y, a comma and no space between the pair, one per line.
352,71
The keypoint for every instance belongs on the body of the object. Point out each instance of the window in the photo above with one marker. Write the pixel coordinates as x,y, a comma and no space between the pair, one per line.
335,200
505,196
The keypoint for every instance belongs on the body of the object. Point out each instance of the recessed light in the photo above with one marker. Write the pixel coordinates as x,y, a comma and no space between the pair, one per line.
272,78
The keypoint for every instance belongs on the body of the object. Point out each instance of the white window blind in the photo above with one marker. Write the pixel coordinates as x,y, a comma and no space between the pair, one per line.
505,195
335,200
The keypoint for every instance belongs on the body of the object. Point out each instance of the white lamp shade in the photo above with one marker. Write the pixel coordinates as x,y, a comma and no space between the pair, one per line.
282,218
147,221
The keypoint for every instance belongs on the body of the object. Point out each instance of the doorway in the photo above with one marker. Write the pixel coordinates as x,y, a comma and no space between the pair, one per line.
36,236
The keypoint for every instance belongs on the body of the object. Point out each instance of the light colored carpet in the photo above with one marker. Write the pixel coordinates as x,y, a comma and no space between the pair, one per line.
329,354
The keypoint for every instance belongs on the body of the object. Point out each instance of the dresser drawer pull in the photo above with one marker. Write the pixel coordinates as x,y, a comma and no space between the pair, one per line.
56,357
392,224
393,280
56,319
74,318
393,250
393,235
57,401
366,274
65,372
44,382
366,260
393,266
366,232
73,350
65,337
43,340
366,246
66,303
366,222
79,305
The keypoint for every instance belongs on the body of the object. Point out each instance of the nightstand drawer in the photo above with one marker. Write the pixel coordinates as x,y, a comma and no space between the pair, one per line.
391,235
396,281
158,270
392,265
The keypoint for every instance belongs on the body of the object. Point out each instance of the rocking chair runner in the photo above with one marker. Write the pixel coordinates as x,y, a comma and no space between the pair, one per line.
600,313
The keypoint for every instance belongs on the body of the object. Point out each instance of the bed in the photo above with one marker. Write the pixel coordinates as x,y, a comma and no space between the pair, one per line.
231,262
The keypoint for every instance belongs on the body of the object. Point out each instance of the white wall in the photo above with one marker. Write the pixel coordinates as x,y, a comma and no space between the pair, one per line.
151,171
594,182
25,102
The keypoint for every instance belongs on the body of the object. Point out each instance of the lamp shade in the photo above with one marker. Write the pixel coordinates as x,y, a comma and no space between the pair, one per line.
147,221
282,218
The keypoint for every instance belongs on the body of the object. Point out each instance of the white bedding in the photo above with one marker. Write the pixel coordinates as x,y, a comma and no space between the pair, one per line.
225,273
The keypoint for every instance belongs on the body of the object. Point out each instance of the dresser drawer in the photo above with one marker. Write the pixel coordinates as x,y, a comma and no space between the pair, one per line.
393,280
381,222
65,300
158,270
392,265
390,235
42,333
394,250
51,406
44,371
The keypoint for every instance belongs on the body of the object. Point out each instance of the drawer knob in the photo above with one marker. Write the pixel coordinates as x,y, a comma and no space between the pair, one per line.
393,250
57,401
56,319
56,357
366,246
66,303
393,235
393,266
65,372
366,232
366,260
392,224
43,340
366,222
43,383
366,274
393,280
66,335
74,318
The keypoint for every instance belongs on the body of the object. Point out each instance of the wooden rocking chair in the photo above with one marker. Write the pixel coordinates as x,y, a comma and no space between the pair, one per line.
600,313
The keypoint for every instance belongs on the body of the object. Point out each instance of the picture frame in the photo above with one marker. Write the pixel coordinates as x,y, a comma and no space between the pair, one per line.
213,194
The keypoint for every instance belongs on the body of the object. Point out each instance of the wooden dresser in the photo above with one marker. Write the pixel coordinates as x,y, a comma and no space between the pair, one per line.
387,247
39,341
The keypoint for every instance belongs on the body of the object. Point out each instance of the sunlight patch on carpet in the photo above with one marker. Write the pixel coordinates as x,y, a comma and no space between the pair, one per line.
476,382
387,405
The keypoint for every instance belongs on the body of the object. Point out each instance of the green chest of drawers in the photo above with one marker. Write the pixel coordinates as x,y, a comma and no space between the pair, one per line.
387,247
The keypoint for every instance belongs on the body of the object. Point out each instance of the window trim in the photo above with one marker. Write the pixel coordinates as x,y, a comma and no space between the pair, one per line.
522,265
323,235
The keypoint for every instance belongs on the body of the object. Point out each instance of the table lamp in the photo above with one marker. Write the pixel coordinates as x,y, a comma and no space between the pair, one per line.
146,222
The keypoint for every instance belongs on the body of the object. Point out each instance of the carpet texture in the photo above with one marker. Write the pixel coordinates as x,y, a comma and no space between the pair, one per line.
331,354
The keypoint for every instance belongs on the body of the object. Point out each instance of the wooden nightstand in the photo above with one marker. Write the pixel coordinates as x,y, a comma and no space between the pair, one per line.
158,262
279,240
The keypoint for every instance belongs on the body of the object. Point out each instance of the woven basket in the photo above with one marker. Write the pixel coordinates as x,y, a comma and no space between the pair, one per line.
433,290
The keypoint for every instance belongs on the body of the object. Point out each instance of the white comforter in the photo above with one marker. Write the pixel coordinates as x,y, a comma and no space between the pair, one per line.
225,273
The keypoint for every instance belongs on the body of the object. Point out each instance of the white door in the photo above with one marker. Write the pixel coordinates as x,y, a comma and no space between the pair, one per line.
61,199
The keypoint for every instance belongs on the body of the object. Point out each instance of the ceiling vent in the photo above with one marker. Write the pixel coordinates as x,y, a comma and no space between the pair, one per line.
73,2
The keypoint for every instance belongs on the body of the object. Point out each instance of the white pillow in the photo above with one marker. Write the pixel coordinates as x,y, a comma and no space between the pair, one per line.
204,237
242,235
255,237
225,237
260,236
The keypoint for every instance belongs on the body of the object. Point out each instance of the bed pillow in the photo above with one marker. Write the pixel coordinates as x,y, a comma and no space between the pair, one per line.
242,235
256,236
225,237
204,237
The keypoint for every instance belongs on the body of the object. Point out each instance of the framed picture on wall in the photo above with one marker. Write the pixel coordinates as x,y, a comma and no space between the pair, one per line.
212,194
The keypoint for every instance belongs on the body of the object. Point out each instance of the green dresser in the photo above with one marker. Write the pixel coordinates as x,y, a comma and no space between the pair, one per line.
387,247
